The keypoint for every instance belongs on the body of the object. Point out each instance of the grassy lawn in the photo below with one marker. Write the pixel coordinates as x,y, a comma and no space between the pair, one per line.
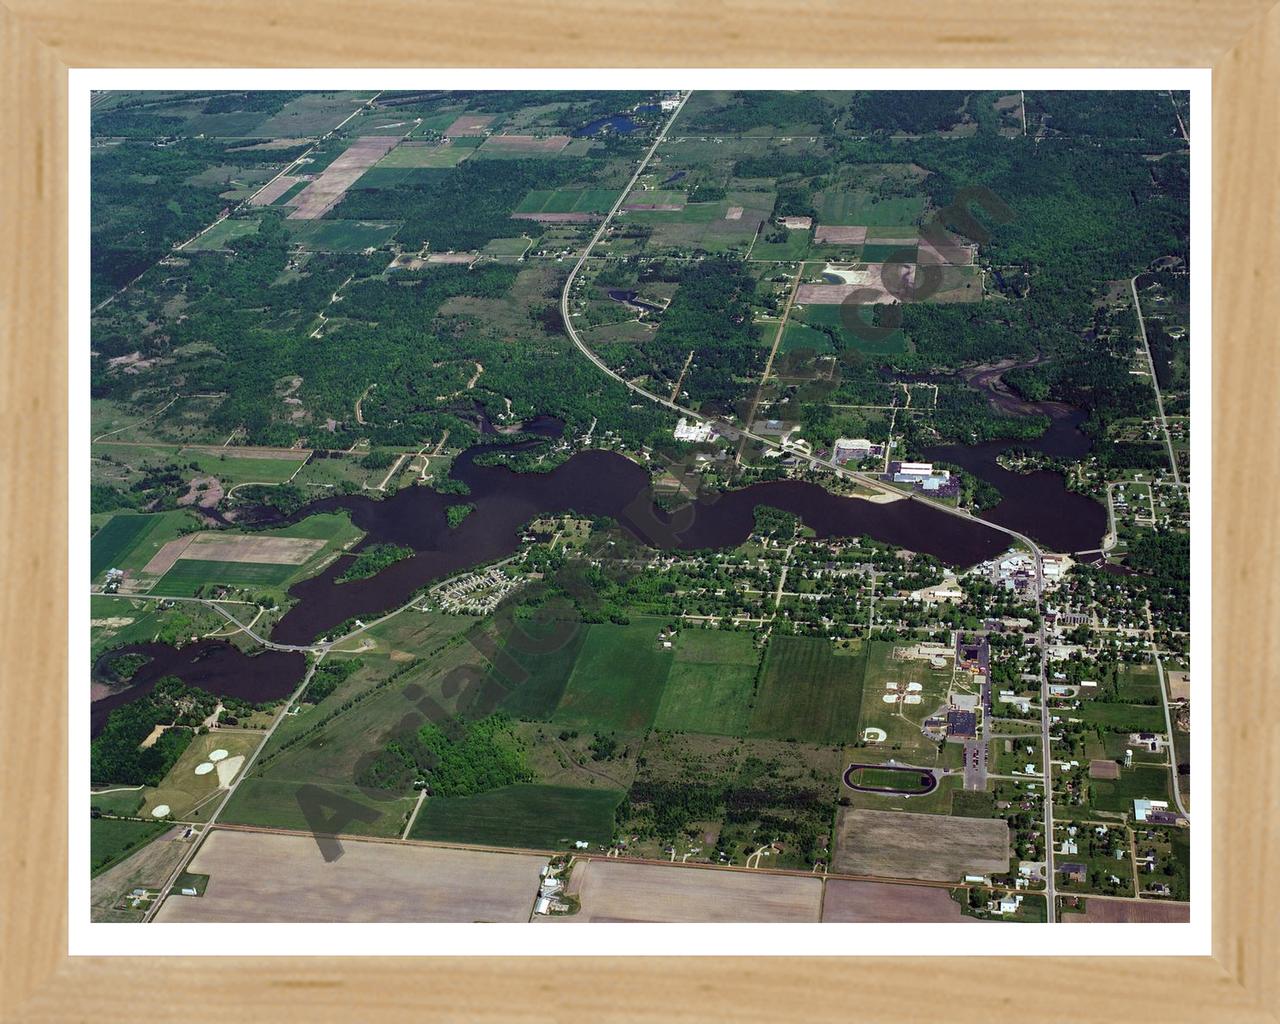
1142,781
126,803
183,790
532,816
618,679
965,803
111,840
808,693
1123,717
901,722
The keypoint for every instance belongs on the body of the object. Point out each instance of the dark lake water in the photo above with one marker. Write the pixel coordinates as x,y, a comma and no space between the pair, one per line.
1038,504
629,297
622,123
213,665
599,483
591,483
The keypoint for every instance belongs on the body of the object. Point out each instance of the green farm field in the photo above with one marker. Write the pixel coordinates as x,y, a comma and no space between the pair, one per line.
111,840
1141,782
410,154
340,235
710,686
231,469
228,230
129,539
190,574
618,679
532,816
568,200
808,693
855,207
534,666
830,316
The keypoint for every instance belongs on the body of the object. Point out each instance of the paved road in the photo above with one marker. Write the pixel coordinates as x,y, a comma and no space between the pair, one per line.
1155,384
975,765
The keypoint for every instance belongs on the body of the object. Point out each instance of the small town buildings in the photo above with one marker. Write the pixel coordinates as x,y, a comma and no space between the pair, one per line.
961,725
1142,809
695,432
1074,872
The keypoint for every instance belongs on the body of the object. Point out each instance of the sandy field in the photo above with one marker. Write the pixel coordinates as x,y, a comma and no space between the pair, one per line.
885,903
1125,911
1179,685
469,124
869,283
618,890
214,547
273,190
937,847
944,255
264,877
526,143
323,194
733,213
840,235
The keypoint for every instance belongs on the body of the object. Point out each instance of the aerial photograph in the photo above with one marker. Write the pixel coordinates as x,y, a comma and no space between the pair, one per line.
639,506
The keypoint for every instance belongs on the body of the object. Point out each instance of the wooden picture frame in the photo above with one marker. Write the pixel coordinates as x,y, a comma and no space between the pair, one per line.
42,39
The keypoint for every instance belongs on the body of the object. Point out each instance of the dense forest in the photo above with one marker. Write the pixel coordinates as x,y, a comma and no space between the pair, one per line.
116,754
458,759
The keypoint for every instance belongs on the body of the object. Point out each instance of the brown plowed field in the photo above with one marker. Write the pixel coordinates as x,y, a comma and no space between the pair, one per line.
937,847
840,235
622,891
266,877
323,194
886,903
1126,911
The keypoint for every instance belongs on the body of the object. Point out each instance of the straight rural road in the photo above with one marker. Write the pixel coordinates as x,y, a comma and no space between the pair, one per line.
1155,384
